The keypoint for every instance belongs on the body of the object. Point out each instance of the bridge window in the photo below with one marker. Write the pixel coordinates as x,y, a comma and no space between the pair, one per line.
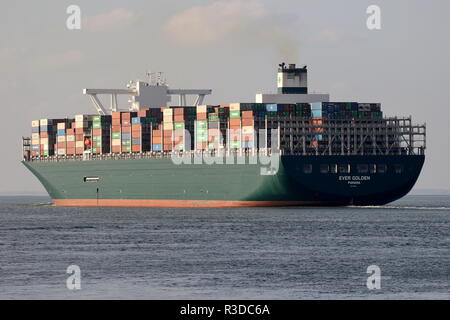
381,168
344,168
398,168
333,168
324,168
362,168
307,168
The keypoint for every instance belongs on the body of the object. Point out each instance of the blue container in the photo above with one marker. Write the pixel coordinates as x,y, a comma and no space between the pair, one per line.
136,141
138,120
61,132
272,107
156,147
316,113
35,130
46,128
318,137
35,147
247,144
126,136
316,106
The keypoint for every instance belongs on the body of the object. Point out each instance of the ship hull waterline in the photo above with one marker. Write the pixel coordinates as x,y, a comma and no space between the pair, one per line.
162,183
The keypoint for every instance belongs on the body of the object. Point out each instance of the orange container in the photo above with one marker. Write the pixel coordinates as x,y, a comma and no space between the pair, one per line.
136,148
70,151
247,114
79,150
135,134
116,115
115,149
126,129
247,122
167,147
157,140
178,118
70,131
168,133
178,111
201,116
235,122
71,145
116,122
115,128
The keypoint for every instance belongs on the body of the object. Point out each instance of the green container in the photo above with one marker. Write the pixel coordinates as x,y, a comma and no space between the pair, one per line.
202,138
128,149
235,144
235,114
202,124
96,125
179,125
215,118
116,135
96,118
126,142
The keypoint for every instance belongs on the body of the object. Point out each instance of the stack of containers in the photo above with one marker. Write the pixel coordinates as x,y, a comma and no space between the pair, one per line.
81,126
167,128
303,110
214,129
35,138
317,112
157,134
272,110
70,138
125,128
179,120
101,126
116,132
46,137
61,142
248,130
201,132
235,126
140,132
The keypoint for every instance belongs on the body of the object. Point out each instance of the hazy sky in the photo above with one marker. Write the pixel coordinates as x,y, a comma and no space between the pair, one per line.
232,47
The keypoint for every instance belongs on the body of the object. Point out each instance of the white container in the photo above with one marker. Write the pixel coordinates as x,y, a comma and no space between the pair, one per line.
61,152
61,125
168,126
61,139
70,138
81,117
35,123
201,109
44,140
79,144
116,142
235,106
35,136
35,141
248,130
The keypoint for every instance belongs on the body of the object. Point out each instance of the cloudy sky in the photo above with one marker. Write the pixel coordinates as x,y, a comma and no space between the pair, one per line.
230,46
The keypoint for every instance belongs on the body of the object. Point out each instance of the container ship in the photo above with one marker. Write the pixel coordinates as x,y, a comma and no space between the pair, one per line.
289,148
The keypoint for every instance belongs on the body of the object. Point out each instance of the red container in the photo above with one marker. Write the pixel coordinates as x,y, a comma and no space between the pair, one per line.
79,150
202,145
178,111
70,131
70,151
71,144
126,129
168,133
247,114
178,118
167,147
79,130
247,122
97,132
235,123
43,134
201,116
115,128
135,134
143,112
79,137
116,122
136,148
115,149
61,145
